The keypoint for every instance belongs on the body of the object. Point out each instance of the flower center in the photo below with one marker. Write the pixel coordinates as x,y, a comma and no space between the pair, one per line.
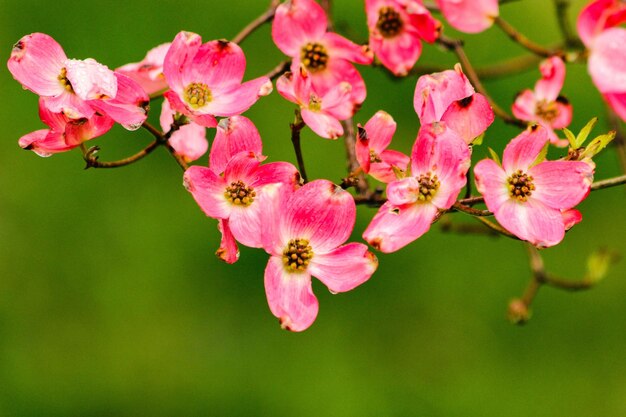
389,23
239,194
428,186
547,110
521,185
62,77
197,95
374,157
297,255
315,103
314,57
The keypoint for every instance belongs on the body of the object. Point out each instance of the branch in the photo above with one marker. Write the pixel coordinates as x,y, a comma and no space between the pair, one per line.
361,183
522,40
297,125
279,70
569,36
258,22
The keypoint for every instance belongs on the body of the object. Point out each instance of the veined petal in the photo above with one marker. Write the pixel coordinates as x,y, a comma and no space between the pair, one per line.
207,189
607,61
469,117
322,124
290,296
561,184
398,54
435,92
228,250
380,129
338,71
524,149
552,77
296,23
36,62
469,16
90,79
273,172
130,105
492,183
392,161
235,134
394,227
533,221
246,224
242,167
274,201
342,48
344,268
179,56
216,64
239,99
403,191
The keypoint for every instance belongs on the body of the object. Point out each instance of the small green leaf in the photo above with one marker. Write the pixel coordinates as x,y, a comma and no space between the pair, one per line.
542,155
570,138
598,264
597,145
584,132
494,156
479,140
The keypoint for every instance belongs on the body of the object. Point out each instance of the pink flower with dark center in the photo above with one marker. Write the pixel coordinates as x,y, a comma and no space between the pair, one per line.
234,196
299,30
607,57
148,73
189,141
470,16
448,96
439,163
371,149
532,197
64,133
234,134
321,112
396,29
205,80
304,233
544,105
77,88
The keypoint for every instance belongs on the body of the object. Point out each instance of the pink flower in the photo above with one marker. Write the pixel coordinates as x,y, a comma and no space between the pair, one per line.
206,79
189,141
78,88
371,149
439,163
321,112
470,16
396,29
299,31
607,56
305,233
531,197
235,195
234,134
64,133
544,105
449,96
148,73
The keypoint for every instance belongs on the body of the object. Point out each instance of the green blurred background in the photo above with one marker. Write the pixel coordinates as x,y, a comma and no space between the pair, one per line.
113,304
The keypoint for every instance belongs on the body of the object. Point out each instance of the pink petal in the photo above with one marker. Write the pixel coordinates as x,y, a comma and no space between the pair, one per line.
91,80
342,48
285,87
273,201
525,106
70,104
81,130
148,73
338,71
394,227
435,92
235,134
532,221
129,107
228,250
296,23
320,212
290,296
44,142
469,117
607,61
427,27
322,124
246,223
337,102
470,16
218,64
492,183
561,184
238,100
571,218
36,62
179,56
597,16
380,129
398,54
563,114
344,268
274,172
208,189
384,171
618,103
552,77
190,142
524,149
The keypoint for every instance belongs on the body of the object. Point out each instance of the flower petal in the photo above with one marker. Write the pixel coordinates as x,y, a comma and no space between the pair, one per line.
218,64
344,268
561,184
246,224
238,100
470,16
235,134
228,250
492,183
435,92
607,61
524,149
552,77
207,189
90,79
129,107
296,23
533,221
469,117
342,48
392,161
322,124
179,56
398,54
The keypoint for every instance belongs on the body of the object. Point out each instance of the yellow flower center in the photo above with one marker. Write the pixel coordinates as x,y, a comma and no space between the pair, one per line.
428,186
521,185
62,77
239,194
197,95
297,255
389,23
314,57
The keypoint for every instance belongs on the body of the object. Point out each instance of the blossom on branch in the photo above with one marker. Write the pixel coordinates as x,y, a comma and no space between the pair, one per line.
149,71
189,140
470,16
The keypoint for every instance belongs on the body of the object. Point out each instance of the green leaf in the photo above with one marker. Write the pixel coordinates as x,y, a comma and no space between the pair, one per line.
479,140
570,138
584,132
494,156
597,145
542,155
598,264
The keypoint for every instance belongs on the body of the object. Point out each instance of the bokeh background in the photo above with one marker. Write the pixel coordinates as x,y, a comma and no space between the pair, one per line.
113,304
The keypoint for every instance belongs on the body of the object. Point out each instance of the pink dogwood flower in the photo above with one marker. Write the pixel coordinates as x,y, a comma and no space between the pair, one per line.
304,233
234,196
321,112
544,105
299,30
234,134
371,149
448,96
439,163
607,57
189,141
205,80
470,16
532,197
64,133
148,73
396,29
77,88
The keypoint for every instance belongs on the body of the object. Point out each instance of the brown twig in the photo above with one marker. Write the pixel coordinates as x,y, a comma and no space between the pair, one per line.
498,70
569,36
349,135
523,41
265,17
279,70
296,127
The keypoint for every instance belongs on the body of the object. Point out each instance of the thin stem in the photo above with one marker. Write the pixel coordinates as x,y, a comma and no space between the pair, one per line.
361,185
89,155
523,41
569,36
610,182
279,70
496,227
257,23
471,211
297,125
498,70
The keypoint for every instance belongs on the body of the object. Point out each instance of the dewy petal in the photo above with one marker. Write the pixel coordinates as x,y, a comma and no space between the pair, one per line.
36,62
179,56
561,184
290,296
394,227
344,268
469,117
91,80
524,149
552,77
296,23
342,48
238,100
129,107
322,124
216,64
492,183
533,221
228,250
470,16
36,142
320,212
607,61
435,92
207,189
398,54
235,134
